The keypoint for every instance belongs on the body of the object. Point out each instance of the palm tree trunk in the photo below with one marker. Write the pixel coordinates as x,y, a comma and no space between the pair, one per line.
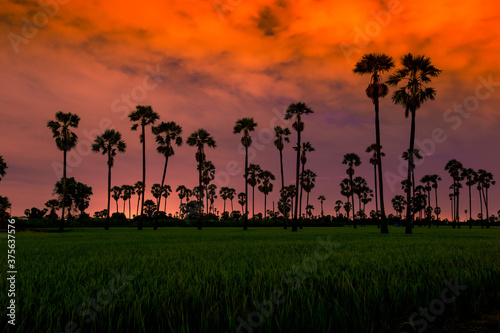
470,207
282,187
106,226
224,206
161,189
485,197
458,204
409,216
307,201
383,224
129,208
300,200
481,205
297,184
138,202
200,189
61,224
139,227
376,194
245,214
232,206
253,205
165,206
265,208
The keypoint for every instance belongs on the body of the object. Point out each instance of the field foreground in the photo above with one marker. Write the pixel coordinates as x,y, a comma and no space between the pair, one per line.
264,279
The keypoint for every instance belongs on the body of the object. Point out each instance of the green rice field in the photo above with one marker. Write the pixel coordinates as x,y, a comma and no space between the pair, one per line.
261,280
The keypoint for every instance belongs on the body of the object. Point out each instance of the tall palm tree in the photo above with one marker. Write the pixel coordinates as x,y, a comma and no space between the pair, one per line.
230,195
156,191
456,171
399,203
166,193
212,195
281,135
245,125
470,180
3,166
376,64
416,72
266,187
208,174
143,116
128,191
426,180
297,110
253,179
117,192
416,156
306,148
224,194
167,134
434,180
139,190
307,181
242,200
109,143
338,206
486,180
182,192
321,199
351,160
346,190
65,141
199,139
374,160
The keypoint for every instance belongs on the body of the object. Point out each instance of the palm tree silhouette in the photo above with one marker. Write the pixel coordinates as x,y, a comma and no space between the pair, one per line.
266,187
470,180
242,200
245,125
374,160
53,205
376,64
156,191
486,180
351,160
117,192
306,147
456,171
406,157
253,179
434,180
416,71
128,191
346,189
307,181
143,116
3,167
321,198
139,190
223,192
399,203
338,206
200,138
181,192
281,135
65,141
208,174
109,143
297,110
166,193
230,195
167,134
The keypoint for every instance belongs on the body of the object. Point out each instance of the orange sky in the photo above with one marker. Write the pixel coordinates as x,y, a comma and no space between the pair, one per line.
227,59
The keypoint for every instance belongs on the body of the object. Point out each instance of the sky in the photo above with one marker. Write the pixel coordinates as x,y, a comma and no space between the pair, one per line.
205,64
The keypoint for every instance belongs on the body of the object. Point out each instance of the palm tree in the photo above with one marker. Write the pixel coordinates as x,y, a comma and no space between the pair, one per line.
351,160
338,206
143,116
208,174
139,190
245,125
53,205
346,190
297,110
307,181
3,166
156,191
109,143
266,187
200,139
223,192
416,72
230,195
376,64
182,192
399,203
167,134
166,193
434,179
321,198
253,179
65,141
281,135
212,195
128,191
359,187
456,171
242,200
117,192
149,207
306,147
374,160
470,180
406,157
426,180
486,180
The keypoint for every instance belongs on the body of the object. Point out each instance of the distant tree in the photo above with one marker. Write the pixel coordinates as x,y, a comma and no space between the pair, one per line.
128,191
306,148
242,200
307,181
374,160
200,139
167,134
321,199
181,192
297,110
253,179
223,192
4,206
53,205
207,175
470,180
347,190
415,73
143,116
281,135
149,207
3,167
167,190
266,187
338,206
65,141
231,192
399,203
82,194
139,190
457,173
245,125
116,194
212,195
109,143
351,160
486,180
35,213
